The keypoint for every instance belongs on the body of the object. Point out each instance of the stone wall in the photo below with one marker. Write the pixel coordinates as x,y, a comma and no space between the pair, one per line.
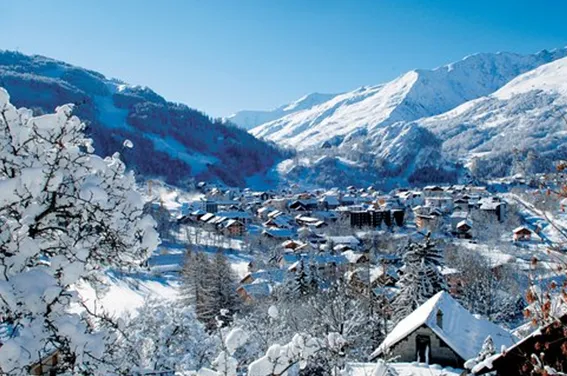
406,350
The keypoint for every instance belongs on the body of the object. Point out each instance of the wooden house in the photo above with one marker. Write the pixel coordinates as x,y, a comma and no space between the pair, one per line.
234,227
522,234
517,360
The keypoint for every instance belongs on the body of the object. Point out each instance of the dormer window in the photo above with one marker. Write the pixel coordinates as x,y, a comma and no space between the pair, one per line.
440,318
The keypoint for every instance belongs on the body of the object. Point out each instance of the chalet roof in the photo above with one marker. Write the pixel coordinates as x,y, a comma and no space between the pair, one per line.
257,290
234,214
232,222
490,205
464,223
271,275
459,214
348,240
399,369
331,200
207,217
282,233
353,257
522,229
460,330
264,209
432,188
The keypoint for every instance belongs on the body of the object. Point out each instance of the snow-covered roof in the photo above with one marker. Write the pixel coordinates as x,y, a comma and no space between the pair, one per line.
349,240
207,217
461,331
234,214
521,229
278,232
465,222
459,214
352,257
401,369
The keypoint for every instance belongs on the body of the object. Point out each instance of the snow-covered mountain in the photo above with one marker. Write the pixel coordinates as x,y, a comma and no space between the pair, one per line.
171,141
248,119
522,126
414,95
416,128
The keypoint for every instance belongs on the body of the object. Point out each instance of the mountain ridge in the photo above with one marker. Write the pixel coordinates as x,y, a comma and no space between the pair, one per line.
171,141
413,95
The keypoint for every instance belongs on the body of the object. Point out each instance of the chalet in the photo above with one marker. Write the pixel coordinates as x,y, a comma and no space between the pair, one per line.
242,216
456,217
263,196
263,212
355,258
463,230
431,190
328,266
281,221
430,222
514,360
385,275
460,204
254,291
494,207
303,220
329,202
433,334
303,205
292,245
234,227
445,204
277,233
350,241
522,234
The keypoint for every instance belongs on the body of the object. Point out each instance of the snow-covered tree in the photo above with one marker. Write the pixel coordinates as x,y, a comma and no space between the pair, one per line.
209,285
486,289
486,351
66,216
223,295
166,335
421,278
301,285
195,288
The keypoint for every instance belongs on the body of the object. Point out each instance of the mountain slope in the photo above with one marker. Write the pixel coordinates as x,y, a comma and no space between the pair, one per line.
518,128
248,119
414,95
171,141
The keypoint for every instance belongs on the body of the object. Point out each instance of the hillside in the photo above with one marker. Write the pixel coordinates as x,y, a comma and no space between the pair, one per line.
171,141
414,95
517,129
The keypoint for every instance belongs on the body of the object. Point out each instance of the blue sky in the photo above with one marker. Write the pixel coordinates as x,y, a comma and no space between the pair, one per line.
222,56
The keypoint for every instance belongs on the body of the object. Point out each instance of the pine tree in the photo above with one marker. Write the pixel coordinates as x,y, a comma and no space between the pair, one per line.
195,287
486,351
301,286
223,295
314,280
421,278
